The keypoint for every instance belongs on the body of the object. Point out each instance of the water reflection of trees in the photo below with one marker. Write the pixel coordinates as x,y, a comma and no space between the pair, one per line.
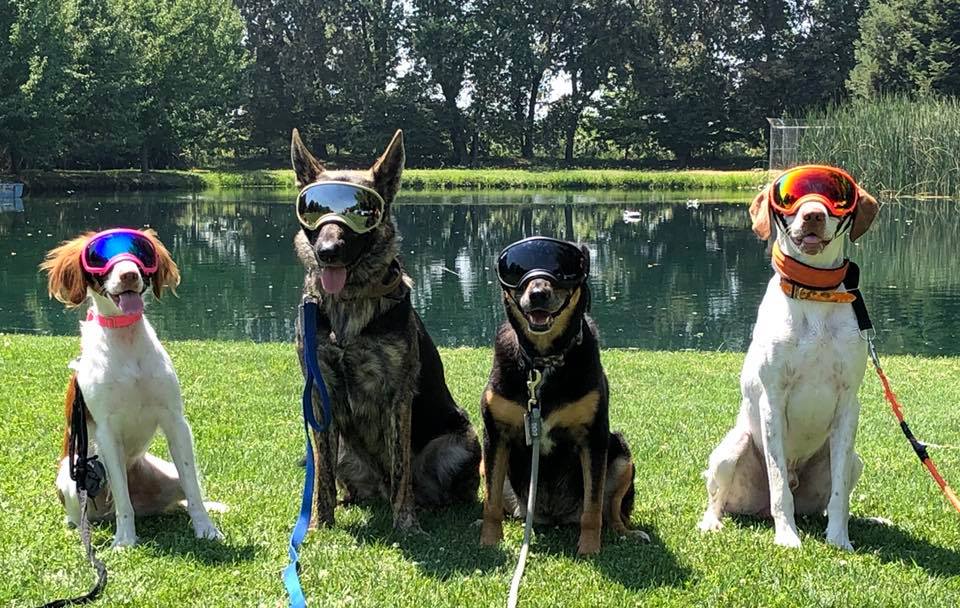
671,280
240,279
680,277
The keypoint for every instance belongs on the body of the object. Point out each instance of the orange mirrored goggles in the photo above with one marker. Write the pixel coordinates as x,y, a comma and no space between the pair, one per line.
834,185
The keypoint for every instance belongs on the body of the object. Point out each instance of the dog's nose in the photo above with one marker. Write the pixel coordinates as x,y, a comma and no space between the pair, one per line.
328,251
814,216
540,293
129,276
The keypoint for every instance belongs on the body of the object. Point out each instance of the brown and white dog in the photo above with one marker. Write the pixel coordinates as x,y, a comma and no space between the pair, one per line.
130,389
791,450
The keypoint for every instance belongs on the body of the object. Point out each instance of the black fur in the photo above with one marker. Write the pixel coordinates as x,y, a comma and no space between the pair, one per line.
575,378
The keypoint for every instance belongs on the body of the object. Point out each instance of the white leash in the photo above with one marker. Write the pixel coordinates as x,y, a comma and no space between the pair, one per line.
531,427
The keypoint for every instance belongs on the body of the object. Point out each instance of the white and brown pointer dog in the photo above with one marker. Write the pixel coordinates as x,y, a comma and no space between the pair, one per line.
130,389
791,450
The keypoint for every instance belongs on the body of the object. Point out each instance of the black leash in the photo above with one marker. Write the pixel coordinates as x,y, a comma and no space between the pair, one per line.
89,475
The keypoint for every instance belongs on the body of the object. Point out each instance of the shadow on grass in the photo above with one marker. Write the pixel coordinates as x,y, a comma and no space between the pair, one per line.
451,548
888,542
893,544
172,534
448,548
632,563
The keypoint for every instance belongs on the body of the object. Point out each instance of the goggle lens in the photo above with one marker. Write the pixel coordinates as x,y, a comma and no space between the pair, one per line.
360,208
833,184
562,261
108,245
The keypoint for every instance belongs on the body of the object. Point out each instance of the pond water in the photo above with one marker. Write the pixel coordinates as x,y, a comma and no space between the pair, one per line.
688,275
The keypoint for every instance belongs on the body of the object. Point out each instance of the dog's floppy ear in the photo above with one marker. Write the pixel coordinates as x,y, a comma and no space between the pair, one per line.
307,168
760,214
66,280
388,168
167,275
863,216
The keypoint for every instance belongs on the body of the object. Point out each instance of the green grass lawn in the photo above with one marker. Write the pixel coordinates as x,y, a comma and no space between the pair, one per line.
416,179
242,400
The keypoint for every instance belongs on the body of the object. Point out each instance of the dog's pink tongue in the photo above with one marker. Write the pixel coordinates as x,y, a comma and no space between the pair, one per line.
811,239
333,278
131,302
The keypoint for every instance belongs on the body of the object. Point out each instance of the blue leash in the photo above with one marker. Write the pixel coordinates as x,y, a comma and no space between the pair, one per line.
308,318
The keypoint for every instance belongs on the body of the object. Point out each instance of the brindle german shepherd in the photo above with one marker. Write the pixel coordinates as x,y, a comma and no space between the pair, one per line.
586,472
396,432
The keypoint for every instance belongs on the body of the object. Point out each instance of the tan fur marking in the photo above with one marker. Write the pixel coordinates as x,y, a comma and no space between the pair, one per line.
65,279
542,341
615,509
167,275
68,415
591,521
503,410
576,413
492,530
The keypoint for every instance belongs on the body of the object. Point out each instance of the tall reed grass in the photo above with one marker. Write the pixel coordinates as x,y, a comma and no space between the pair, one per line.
893,146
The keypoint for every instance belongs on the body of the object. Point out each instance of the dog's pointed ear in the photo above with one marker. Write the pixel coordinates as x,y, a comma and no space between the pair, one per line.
864,214
167,275
307,168
388,168
66,280
760,215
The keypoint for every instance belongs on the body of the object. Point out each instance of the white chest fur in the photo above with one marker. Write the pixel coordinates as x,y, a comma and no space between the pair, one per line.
807,357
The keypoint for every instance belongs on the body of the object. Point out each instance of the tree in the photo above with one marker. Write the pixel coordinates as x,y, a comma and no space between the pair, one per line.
289,42
590,47
189,65
102,104
444,36
36,61
907,46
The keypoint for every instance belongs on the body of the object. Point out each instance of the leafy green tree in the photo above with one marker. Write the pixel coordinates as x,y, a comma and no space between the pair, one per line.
189,67
36,66
444,36
102,103
907,46
289,41
590,48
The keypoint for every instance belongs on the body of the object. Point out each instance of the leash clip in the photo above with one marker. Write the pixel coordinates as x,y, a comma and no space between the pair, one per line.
531,418
868,336
533,389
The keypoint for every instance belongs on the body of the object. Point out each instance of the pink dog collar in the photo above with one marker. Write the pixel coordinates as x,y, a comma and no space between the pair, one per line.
114,322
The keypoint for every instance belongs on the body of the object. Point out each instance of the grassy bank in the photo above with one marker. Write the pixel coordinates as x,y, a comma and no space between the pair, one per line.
893,145
242,401
416,179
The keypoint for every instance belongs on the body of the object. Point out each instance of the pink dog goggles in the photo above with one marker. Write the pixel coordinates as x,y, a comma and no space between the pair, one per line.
106,248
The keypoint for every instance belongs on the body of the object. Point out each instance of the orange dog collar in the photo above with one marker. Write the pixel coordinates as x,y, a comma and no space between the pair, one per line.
803,282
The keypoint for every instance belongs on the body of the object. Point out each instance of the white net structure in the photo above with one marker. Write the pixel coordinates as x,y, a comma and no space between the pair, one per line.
786,135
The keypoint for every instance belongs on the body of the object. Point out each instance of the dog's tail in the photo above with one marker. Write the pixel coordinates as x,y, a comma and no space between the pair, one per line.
447,470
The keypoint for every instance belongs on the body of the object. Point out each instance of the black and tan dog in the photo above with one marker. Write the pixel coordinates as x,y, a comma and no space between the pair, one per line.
586,472
396,432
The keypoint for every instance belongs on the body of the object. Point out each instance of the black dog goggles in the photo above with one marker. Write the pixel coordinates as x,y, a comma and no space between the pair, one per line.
357,207
542,257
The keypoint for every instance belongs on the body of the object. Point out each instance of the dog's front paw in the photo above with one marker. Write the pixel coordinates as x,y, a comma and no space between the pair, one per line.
406,521
710,522
787,538
589,542
123,540
491,533
839,539
204,528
